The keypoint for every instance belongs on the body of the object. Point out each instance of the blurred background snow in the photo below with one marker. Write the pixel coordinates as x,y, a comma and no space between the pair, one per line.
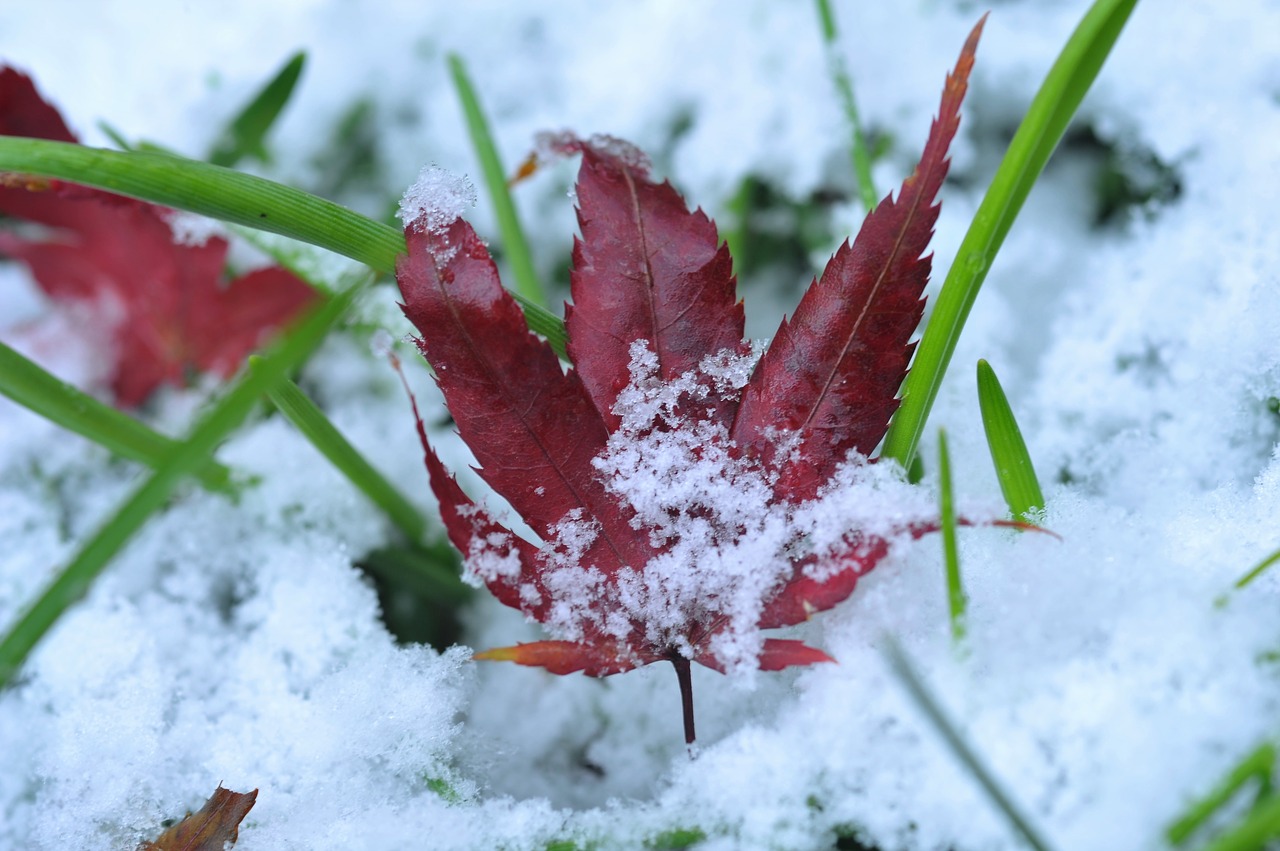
1131,315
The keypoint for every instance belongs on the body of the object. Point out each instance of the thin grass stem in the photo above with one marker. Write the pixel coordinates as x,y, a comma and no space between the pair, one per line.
1046,120
843,82
514,244
1258,570
957,603
932,709
298,408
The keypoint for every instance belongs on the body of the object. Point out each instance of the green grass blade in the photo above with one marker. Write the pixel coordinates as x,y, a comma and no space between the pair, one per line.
1041,130
117,138
1255,832
844,88
246,135
514,243
234,197
1017,476
62,404
432,571
326,438
1257,765
222,419
956,601
1258,570
210,190
915,686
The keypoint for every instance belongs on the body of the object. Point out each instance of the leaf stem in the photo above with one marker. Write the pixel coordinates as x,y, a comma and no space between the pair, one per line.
684,675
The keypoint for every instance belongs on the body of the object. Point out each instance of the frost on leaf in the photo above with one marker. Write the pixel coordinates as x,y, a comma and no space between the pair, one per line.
160,298
686,490
215,827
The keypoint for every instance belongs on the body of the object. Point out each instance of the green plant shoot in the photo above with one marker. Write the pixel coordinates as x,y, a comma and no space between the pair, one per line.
1009,454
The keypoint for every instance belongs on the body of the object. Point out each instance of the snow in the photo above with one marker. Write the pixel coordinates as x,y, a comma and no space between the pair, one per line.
436,199
237,643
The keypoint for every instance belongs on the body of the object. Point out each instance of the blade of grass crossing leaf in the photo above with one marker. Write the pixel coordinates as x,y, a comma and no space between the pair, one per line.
210,190
246,134
234,197
956,601
516,247
223,418
932,709
35,389
844,88
1017,476
326,438
1258,765
1255,833
1039,133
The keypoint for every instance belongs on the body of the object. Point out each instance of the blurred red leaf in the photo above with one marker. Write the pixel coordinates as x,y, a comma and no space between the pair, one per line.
163,304
216,824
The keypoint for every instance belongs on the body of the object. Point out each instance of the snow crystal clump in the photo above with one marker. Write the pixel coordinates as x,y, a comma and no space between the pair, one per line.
436,199
724,543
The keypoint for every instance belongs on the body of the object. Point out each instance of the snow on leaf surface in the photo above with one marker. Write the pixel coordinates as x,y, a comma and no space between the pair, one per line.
164,305
685,496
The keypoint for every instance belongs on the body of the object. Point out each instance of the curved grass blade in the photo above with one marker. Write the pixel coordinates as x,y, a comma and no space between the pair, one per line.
1017,476
325,437
222,419
234,197
514,244
844,88
29,385
1042,128
932,709
245,136
1258,765
956,600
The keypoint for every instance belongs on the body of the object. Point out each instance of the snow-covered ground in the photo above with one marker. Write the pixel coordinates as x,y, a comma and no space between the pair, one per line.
236,643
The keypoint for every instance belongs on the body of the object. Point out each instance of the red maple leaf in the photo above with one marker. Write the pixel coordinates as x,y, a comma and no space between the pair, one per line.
682,491
165,305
